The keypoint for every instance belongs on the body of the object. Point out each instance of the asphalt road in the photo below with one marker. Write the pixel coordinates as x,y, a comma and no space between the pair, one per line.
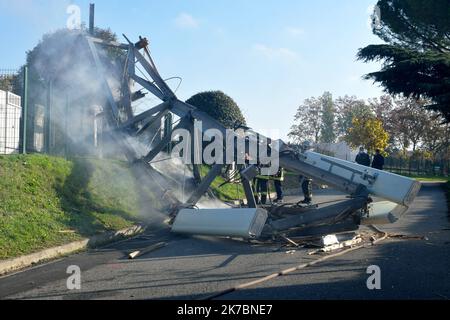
195,268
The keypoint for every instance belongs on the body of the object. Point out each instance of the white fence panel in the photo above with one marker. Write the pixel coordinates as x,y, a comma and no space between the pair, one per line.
10,115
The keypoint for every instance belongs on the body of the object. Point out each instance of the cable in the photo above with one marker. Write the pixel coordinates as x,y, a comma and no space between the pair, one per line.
165,80
173,78
144,75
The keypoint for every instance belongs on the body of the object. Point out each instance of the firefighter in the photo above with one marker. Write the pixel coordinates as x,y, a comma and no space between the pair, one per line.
278,182
307,187
363,158
262,185
305,182
378,160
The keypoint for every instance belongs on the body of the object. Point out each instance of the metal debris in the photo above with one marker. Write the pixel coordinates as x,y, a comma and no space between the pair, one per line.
340,245
359,182
142,252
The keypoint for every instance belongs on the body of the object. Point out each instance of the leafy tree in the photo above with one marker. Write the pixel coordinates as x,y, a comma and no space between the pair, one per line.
410,121
219,106
348,108
436,137
367,132
382,107
416,55
328,134
9,83
308,121
315,120
59,51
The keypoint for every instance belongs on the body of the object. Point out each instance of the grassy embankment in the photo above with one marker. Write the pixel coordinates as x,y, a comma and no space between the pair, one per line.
48,201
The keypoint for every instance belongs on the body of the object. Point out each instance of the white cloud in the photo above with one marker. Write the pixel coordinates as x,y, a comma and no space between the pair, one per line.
186,21
275,53
294,32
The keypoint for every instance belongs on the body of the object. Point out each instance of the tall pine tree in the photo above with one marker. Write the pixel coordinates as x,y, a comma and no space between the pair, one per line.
416,55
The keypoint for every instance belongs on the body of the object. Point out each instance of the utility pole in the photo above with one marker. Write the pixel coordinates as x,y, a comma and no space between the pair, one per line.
91,18
24,110
48,118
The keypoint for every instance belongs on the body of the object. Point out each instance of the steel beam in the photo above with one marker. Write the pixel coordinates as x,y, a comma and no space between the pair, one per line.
168,129
101,75
249,194
215,171
338,211
154,74
143,116
345,226
319,175
150,87
150,121
166,140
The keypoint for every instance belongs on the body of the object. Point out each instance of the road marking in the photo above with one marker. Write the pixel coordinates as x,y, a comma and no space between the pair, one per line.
383,236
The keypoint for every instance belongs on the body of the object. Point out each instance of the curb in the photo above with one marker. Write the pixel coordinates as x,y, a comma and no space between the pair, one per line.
16,264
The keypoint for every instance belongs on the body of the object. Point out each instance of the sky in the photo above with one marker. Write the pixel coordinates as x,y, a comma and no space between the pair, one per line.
268,55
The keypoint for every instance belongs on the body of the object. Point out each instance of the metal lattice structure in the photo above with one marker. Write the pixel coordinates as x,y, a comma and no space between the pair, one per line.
357,181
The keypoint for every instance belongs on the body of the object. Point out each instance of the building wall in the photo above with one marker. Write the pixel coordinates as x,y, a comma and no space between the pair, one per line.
339,150
10,116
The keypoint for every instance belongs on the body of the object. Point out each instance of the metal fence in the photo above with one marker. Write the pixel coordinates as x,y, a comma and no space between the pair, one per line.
418,167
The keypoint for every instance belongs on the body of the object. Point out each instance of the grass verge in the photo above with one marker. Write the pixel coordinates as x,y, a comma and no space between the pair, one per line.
427,178
48,201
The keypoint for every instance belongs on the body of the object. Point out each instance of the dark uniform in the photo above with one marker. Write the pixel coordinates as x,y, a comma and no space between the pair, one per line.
262,184
278,182
378,162
262,187
307,188
363,159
